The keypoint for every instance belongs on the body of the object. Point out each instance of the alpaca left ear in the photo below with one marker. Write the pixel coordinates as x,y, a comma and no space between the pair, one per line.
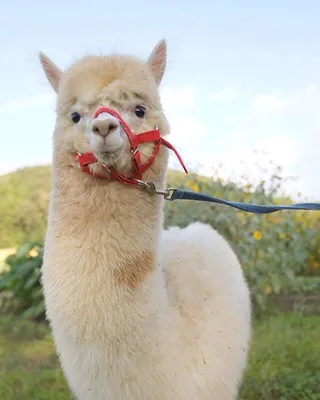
157,61
53,73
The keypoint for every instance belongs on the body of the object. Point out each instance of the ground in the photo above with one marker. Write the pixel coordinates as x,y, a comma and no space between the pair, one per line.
284,361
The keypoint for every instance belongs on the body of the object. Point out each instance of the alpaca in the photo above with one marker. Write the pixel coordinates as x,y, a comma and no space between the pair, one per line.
136,312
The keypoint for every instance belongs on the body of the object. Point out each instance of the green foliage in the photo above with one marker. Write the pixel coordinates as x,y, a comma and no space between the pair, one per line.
273,249
29,367
305,284
284,361
21,280
24,196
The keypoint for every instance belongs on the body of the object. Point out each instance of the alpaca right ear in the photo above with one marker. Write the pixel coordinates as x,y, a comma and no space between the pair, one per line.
53,73
157,61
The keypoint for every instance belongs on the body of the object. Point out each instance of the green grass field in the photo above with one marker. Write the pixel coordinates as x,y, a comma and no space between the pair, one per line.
284,361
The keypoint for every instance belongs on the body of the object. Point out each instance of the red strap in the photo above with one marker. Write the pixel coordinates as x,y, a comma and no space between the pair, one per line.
149,136
85,159
132,138
152,157
89,158
169,145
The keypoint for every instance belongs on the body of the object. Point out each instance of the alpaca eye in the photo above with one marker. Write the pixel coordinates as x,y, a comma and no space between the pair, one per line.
140,111
75,117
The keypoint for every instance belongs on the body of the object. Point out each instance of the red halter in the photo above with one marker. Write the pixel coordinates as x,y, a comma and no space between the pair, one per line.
149,136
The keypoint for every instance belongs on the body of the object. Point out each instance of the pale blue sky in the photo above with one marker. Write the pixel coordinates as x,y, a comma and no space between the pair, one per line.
241,75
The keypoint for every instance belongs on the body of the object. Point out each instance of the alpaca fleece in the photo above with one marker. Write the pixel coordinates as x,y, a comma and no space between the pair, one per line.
136,312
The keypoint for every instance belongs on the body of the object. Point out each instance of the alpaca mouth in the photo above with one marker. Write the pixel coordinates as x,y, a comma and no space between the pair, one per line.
108,157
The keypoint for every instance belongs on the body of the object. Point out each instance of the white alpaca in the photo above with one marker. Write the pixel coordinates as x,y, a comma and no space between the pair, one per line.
137,313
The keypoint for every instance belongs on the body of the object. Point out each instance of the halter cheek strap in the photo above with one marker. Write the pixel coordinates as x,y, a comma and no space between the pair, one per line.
84,160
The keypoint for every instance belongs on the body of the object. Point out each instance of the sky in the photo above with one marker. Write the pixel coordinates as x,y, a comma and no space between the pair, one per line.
242,84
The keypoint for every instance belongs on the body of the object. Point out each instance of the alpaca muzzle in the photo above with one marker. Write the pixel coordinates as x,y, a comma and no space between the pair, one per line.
85,159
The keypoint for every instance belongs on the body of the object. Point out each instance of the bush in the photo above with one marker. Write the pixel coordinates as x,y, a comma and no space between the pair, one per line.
24,198
273,249
21,281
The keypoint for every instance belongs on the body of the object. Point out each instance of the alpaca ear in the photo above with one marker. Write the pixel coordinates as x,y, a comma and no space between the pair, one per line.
157,61
53,73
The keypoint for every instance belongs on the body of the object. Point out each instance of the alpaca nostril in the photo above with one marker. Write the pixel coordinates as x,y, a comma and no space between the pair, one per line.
112,127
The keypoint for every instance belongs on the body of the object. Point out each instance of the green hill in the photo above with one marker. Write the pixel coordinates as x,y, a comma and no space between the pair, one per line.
24,196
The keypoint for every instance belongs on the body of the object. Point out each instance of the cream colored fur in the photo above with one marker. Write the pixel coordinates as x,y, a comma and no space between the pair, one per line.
136,312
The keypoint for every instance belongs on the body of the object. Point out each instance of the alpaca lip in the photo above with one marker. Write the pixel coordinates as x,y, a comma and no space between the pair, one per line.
84,160
109,154
108,159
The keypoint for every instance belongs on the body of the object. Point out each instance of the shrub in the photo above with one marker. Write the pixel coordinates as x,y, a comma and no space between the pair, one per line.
21,281
273,249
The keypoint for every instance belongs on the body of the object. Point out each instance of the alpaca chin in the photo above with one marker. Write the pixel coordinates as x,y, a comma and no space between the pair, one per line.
137,312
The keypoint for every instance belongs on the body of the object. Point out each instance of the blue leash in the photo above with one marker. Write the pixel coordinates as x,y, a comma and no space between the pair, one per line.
181,194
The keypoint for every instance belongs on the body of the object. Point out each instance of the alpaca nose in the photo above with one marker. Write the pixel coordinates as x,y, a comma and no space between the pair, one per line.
105,126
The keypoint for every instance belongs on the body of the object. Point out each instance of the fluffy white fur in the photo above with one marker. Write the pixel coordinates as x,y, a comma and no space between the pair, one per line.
137,313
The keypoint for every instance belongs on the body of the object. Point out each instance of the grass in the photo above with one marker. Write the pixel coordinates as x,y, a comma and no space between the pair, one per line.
284,361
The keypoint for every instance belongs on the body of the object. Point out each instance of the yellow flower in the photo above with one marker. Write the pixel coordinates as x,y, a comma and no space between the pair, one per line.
33,253
315,264
257,235
282,235
268,290
193,186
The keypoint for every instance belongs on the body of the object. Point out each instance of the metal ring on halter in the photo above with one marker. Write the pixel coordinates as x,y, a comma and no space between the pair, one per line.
106,167
78,154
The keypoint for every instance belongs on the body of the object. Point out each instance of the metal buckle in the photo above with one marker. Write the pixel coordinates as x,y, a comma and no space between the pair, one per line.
134,152
151,189
78,155
106,167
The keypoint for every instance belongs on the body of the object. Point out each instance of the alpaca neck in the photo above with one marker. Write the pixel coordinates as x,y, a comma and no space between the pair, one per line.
102,243
111,228
110,218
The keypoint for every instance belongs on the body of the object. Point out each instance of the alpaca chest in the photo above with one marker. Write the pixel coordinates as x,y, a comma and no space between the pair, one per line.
121,372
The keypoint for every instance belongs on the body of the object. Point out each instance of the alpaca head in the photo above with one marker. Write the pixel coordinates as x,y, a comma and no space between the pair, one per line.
122,83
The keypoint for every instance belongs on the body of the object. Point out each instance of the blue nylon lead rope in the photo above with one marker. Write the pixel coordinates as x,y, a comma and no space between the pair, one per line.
180,194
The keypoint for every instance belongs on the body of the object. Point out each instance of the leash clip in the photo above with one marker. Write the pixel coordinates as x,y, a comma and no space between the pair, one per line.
151,189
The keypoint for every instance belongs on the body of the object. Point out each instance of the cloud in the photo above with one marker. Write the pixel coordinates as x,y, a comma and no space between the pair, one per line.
224,95
181,106
283,126
286,126
178,97
41,100
305,101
